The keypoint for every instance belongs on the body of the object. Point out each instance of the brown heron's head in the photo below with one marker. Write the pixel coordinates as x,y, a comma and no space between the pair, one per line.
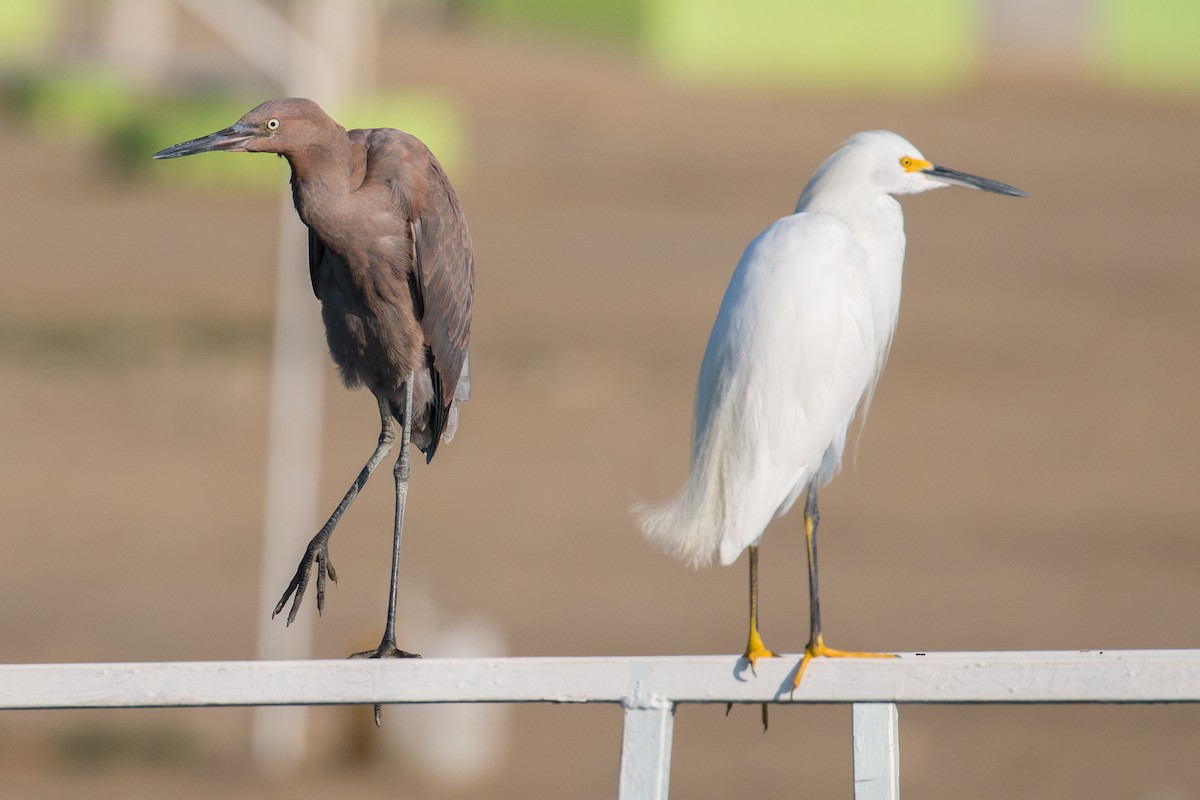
284,126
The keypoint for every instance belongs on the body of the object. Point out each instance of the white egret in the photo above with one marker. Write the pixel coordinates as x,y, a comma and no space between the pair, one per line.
795,352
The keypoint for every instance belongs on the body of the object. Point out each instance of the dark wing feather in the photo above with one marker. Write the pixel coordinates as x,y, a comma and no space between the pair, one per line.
316,253
445,269
415,286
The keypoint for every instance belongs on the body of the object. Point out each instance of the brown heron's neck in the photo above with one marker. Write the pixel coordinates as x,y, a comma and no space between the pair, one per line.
322,180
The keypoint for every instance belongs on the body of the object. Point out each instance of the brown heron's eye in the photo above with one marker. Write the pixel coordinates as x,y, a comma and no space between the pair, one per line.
272,124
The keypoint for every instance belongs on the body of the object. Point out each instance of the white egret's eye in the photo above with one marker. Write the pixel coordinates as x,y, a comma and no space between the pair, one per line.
272,124
910,164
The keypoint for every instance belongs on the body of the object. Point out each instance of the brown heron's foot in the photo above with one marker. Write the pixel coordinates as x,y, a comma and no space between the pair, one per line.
816,648
317,553
386,649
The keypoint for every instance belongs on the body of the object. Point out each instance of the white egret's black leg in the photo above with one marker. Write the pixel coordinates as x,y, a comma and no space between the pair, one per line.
812,518
816,643
318,548
387,646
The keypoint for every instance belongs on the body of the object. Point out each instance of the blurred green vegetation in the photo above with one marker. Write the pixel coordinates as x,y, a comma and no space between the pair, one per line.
873,44
828,46
877,45
26,27
1151,44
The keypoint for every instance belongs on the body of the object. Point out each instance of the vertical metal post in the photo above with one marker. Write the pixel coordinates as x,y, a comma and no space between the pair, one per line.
280,734
875,728
646,751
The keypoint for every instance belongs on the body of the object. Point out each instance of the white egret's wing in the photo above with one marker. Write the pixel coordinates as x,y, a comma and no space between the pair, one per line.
790,355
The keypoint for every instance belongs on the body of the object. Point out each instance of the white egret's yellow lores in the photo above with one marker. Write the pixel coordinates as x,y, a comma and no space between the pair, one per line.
798,344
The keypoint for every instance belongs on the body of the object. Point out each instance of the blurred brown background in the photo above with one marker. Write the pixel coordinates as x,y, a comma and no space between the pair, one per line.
1026,480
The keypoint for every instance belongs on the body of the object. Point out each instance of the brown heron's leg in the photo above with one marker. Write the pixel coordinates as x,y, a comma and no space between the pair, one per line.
816,644
318,548
387,646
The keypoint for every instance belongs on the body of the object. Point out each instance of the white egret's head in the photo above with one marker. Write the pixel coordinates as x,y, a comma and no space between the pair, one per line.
882,162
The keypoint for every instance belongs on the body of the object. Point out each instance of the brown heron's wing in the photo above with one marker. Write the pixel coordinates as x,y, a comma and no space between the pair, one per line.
443,274
445,270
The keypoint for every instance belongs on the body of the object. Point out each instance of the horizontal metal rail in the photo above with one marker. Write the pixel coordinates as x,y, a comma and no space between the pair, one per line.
1108,676
649,689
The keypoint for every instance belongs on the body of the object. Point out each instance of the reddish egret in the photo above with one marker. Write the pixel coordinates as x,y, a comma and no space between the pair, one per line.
391,262
796,350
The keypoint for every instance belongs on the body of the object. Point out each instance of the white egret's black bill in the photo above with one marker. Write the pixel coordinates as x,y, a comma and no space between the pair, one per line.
947,175
232,138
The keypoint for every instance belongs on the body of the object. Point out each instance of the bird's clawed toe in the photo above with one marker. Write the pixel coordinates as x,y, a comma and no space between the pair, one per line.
317,553
816,648
756,650
385,650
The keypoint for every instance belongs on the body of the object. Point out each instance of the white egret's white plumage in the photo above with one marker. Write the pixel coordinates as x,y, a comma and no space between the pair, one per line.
797,346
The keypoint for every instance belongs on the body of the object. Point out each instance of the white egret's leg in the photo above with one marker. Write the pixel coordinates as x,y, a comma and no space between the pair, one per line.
812,518
755,649
816,644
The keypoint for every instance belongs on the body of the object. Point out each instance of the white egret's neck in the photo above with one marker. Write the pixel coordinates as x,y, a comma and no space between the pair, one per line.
872,215
842,188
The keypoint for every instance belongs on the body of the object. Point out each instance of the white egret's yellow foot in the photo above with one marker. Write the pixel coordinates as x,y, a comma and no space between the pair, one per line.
755,649
817,648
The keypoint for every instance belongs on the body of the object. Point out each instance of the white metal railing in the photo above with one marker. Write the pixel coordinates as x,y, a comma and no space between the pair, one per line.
648,688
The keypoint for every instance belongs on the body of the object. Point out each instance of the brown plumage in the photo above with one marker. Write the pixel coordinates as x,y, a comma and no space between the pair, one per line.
391,261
